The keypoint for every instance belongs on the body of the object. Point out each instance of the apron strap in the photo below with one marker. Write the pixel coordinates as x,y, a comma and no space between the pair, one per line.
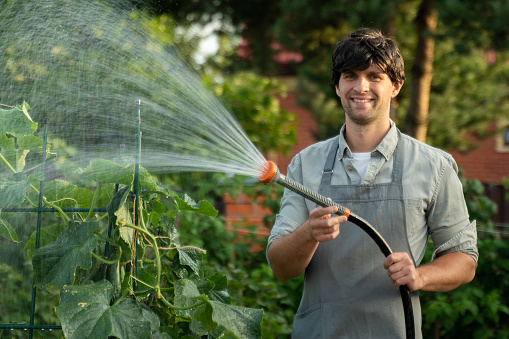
328,169
397,171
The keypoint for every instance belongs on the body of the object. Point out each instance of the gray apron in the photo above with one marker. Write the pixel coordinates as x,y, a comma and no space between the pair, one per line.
347,293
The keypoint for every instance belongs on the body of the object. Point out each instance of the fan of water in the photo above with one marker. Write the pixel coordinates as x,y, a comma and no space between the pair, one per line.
84,65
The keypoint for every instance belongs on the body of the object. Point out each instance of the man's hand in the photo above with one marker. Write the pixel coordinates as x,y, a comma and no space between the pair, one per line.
290,254
400,268
322,226
445,273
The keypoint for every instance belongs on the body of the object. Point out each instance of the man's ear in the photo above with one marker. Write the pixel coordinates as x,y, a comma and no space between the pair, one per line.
396,88
337,90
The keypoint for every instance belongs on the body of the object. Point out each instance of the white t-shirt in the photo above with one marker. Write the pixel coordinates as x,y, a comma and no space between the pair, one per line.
360,161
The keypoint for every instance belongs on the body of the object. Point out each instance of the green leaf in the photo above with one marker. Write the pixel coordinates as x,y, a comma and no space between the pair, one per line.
16,122
168,224
12,189
191,257
155,218
153,320
118,210
30,142
56,263
185,293
158,206
203,317
66,194
203,207
106,193
118,200
219,291
20,163
143,274
36,177
123,215
7,143
105,171
7,231
48,234
243,322
85,312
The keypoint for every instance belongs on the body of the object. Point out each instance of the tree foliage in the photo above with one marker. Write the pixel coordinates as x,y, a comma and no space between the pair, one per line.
468,91
479,309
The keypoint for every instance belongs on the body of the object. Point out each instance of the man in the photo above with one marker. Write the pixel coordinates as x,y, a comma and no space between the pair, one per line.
406,189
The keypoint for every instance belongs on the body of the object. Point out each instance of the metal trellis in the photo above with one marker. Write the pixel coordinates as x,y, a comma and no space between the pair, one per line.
31,326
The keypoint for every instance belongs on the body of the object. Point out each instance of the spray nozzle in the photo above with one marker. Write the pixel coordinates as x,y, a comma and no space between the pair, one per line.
267,171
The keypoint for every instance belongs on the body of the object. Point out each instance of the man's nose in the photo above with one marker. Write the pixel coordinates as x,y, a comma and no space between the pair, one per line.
362,85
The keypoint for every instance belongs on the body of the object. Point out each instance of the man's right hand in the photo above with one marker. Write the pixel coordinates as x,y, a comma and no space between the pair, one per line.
289,255
322,226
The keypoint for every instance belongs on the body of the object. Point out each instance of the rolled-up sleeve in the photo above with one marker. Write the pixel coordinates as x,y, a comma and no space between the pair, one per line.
294,211
448,219
465,241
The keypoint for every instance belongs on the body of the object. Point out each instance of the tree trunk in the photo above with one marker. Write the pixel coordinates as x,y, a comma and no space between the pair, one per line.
390,30
422,72
437,326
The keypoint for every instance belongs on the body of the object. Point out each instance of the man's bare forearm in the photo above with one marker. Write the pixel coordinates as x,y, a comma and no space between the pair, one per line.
290,254
447,272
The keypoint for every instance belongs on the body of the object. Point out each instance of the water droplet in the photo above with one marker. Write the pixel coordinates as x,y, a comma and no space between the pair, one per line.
194,119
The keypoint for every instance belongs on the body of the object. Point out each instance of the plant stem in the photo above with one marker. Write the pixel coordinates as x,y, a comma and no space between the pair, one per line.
156,252
109,262
183,308
94,201
7,163
144,283
46,202
102,217
122,297
111,241
66,218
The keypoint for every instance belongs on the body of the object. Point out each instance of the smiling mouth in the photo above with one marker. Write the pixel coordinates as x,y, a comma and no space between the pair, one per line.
362,101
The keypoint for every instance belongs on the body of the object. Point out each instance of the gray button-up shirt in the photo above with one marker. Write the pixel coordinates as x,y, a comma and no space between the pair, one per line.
433,193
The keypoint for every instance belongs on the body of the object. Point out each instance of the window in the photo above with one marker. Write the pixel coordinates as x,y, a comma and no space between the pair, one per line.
506,136
502,139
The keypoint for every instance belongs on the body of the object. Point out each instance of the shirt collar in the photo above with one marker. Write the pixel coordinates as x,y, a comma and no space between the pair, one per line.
386,147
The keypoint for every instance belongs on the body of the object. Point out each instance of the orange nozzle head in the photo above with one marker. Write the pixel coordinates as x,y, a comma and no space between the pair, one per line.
267,172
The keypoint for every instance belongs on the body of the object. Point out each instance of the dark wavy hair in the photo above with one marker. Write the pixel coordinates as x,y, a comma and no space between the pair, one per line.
364,47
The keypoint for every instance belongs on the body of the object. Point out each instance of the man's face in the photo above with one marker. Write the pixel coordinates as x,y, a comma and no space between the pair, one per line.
366,95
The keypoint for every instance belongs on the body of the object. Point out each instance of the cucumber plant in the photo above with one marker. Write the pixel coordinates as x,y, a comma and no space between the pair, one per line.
119,274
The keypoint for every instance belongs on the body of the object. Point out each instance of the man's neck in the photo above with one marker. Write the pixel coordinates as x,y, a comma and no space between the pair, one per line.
365,138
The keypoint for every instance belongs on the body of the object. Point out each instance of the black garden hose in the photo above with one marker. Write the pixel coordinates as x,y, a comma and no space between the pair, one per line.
270,173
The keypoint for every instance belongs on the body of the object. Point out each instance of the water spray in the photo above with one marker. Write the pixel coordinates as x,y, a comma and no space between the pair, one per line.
269,173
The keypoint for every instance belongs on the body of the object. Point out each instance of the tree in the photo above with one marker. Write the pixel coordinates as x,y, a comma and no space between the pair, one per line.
422,72
253,18
466,32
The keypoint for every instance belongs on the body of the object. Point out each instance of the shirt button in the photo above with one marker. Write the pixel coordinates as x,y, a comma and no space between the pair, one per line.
350,168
